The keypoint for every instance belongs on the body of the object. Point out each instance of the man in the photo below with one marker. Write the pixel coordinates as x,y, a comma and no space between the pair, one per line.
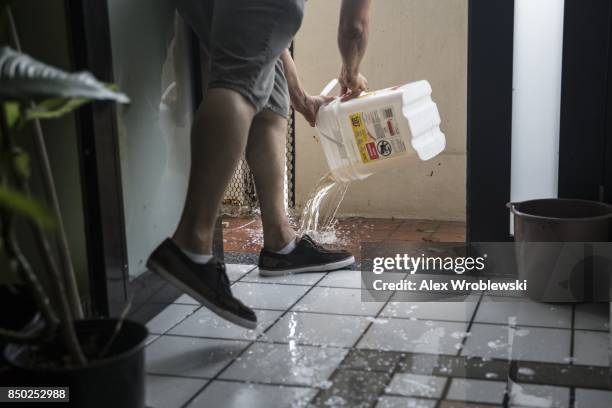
252,79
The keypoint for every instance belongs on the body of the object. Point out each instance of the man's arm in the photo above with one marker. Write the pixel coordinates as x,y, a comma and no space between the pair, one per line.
307,105
353,33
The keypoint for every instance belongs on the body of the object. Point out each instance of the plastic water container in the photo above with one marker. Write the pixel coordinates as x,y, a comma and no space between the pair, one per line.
379,130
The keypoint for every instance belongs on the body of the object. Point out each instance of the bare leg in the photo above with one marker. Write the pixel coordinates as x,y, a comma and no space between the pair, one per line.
265,155
219,137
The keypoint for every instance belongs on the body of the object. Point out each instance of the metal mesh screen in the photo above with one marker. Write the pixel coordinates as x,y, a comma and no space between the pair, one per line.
240,196
290,163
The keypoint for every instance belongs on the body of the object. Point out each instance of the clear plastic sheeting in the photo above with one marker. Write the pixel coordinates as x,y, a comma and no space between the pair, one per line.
152,65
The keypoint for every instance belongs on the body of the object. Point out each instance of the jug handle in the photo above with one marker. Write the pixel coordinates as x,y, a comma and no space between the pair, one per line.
329,87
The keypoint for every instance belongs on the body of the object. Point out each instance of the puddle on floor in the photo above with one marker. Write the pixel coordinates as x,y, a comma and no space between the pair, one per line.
519,397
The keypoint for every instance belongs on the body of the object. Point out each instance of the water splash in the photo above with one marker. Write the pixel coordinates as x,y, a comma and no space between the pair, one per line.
318,217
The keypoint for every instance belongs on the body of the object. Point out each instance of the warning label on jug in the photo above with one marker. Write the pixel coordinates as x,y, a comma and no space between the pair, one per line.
377,135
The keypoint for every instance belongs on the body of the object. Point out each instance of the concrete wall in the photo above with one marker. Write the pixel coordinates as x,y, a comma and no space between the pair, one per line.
410,40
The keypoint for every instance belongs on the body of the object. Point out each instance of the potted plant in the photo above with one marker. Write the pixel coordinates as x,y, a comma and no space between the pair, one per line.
100,360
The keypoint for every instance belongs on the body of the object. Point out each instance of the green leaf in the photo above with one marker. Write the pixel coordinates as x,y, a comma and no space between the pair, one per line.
13,113
23,77
54,108
17,202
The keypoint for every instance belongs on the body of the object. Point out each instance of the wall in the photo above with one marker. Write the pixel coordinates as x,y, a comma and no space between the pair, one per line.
410,40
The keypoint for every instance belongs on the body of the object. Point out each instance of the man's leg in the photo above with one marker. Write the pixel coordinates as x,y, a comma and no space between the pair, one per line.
244,39
265,155
282,253
219,137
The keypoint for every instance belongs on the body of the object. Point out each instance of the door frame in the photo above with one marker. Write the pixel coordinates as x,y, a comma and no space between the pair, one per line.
489,132
111,288
100,164
585,131
490,57
585,142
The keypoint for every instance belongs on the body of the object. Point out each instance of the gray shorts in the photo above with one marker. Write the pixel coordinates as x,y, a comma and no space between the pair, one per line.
244,40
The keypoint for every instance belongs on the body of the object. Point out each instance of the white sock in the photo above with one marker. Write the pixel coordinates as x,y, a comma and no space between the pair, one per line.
197,258
288,248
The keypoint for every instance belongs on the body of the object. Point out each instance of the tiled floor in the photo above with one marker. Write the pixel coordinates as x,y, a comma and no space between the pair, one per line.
244,234
319,345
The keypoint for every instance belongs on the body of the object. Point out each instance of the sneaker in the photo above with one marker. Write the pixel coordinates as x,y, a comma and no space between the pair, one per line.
308,256
207,283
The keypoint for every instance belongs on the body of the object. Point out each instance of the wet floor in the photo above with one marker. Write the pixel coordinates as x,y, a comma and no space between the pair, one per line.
244,234
318,344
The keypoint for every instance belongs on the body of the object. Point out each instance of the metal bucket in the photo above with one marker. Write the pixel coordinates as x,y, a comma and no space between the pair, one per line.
557,252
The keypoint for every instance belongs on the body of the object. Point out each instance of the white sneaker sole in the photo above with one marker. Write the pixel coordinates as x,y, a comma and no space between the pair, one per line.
247,324
314,268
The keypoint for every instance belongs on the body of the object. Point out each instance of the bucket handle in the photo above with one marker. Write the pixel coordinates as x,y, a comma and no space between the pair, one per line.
510,205
329,87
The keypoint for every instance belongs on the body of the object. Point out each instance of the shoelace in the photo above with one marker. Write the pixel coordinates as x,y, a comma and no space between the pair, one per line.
223,283
313,244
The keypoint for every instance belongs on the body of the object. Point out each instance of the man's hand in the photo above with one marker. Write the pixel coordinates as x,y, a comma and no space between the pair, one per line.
309,106
352,84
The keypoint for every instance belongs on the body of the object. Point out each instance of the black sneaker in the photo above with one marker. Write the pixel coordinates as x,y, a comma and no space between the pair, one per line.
207,283
308,256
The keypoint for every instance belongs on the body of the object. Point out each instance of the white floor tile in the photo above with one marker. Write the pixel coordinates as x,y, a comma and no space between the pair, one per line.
491,392
307,279
169,317
342,279
171,392
261,296
529,395
205,323
192,357
185,299
288,364
239,395
591,348
237,271
317,329
456,309
234,272
529,344
547,345
593,398
415,385
592,316
487,341
526,312
402,402
415,336
337,300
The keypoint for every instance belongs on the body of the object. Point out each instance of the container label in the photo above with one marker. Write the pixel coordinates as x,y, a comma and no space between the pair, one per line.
377,134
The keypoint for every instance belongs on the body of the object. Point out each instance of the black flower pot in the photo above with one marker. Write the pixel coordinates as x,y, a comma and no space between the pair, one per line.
115,380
